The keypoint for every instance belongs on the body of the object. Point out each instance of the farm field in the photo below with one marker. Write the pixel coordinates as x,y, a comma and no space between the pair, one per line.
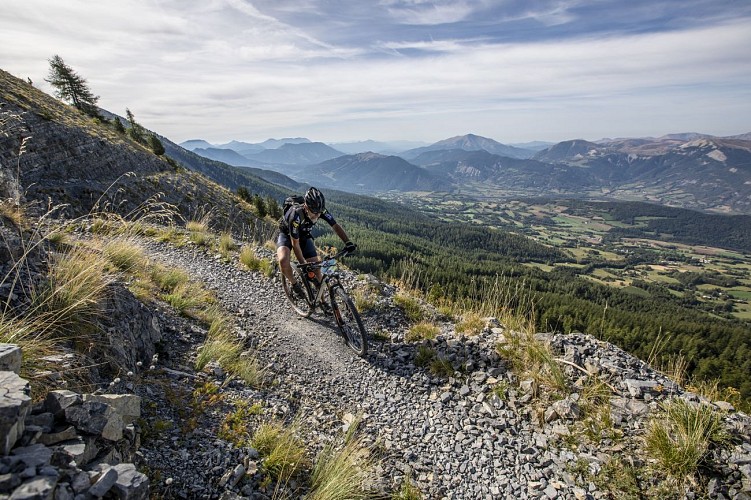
713,279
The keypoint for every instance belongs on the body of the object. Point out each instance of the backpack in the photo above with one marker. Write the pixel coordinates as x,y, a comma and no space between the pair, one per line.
290,201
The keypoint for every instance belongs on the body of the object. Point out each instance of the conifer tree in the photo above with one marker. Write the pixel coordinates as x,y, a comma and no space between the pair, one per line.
156,145
118,125
71,87
135,131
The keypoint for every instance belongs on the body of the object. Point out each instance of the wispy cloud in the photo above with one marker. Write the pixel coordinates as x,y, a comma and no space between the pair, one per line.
428,12
412,69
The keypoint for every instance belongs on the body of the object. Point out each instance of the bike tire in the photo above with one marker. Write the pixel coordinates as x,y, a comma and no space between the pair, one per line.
300,305
348,320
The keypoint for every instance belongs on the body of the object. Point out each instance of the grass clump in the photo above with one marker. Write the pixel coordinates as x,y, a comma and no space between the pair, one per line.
424,356
342,472
282,450
235,427
407,491
186,298
620,479
471,324
226,244
70,301
422,331
597,421
198,232
442,367
167,279
223,347
681,435
125,255
364,300
533,358
249,260
410,305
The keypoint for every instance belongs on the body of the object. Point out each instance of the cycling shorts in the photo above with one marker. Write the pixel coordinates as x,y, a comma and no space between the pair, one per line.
306,245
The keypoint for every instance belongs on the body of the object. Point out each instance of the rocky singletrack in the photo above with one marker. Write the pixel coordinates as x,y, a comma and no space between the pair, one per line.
452,437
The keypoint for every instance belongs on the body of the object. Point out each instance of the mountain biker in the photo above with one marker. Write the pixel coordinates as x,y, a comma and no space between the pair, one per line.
294,235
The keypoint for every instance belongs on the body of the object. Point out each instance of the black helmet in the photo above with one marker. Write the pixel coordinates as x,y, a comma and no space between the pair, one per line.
314,200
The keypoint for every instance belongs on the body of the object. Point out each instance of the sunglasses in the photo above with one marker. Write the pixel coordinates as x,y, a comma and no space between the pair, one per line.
314,212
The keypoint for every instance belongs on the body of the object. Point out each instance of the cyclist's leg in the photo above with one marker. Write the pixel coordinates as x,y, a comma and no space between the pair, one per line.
283,251
309,252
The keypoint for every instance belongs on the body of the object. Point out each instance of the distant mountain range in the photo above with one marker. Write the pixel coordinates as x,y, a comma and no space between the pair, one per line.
687,170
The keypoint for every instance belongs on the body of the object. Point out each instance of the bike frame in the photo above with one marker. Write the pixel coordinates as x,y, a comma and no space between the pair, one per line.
328,284
343,309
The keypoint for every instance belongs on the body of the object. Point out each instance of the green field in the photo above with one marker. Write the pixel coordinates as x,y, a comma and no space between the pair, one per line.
582,232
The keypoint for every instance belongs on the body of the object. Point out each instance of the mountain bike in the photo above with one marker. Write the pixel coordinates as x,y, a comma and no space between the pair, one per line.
330,297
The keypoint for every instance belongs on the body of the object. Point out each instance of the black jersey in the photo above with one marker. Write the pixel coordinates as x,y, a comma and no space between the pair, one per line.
296,223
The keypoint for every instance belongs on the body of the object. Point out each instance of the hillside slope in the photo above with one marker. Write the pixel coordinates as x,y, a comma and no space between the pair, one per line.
80,164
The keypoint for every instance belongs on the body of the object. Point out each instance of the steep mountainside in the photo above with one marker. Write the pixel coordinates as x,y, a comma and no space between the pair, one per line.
371,172
705,174
67,158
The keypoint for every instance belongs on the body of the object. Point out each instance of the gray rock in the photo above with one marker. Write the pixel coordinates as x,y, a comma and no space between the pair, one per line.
58,401
15,404
33,456
567,409
131,484
58,437
96,418
37,488
103,482
127,405
10,358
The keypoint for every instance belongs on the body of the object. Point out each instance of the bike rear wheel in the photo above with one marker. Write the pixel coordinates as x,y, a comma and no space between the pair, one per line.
301,305
349,322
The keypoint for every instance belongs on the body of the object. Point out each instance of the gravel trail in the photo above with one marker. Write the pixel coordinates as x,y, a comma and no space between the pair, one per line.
454,437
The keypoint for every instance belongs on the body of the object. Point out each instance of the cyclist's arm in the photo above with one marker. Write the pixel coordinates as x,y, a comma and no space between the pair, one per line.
339,230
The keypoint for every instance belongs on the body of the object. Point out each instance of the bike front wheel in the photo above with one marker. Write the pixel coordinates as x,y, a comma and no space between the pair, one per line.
301,305
349,322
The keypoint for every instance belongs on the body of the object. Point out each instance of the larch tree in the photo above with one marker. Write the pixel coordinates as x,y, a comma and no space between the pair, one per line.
71,87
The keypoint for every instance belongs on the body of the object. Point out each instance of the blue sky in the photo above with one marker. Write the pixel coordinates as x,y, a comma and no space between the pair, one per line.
348,70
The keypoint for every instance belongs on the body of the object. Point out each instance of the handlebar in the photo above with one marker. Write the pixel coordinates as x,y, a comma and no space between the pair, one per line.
325,261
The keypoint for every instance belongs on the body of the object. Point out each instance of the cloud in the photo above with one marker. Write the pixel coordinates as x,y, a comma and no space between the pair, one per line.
232,69
428,12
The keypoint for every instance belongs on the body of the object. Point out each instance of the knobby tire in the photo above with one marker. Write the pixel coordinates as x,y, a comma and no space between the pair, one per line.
349,322
300,305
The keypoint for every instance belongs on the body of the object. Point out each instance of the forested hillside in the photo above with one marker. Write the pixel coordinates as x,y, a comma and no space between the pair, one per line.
465,262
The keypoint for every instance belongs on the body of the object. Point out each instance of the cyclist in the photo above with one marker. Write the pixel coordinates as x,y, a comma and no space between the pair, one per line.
294,235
